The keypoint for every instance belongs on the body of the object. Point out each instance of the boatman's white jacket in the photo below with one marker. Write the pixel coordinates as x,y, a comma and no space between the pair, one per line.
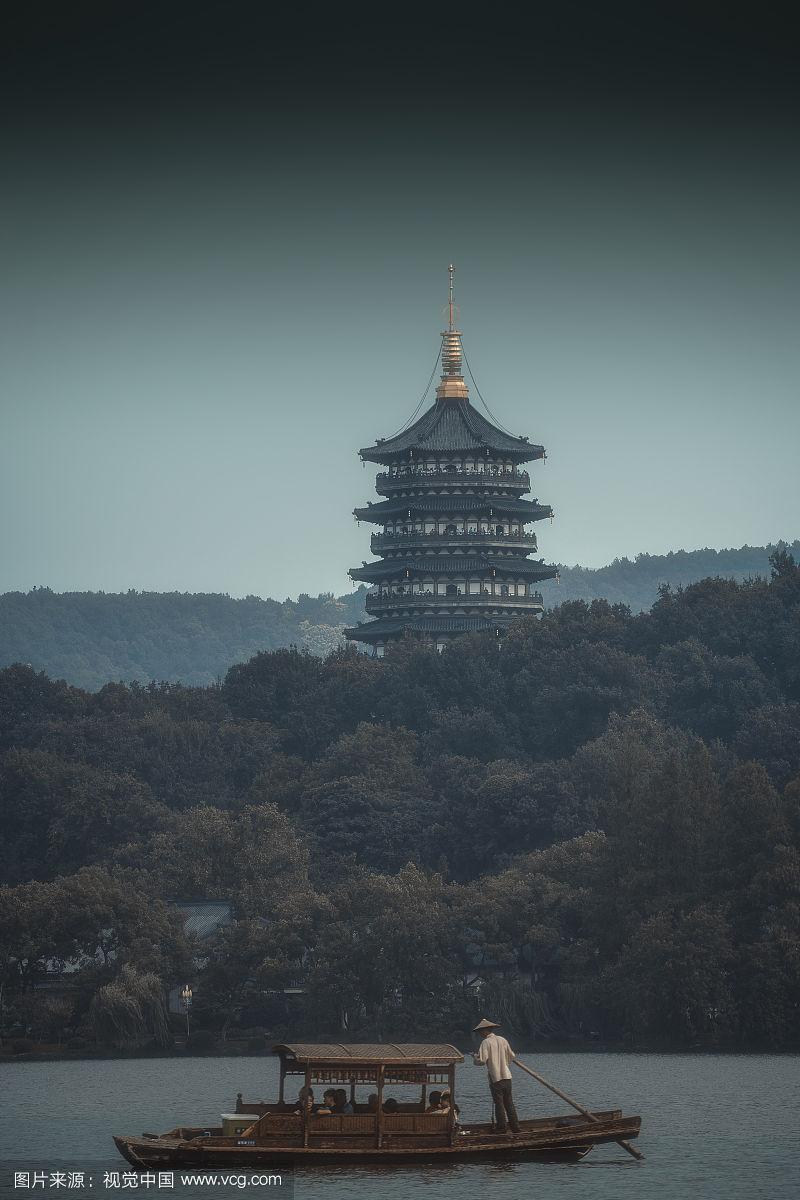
497,1054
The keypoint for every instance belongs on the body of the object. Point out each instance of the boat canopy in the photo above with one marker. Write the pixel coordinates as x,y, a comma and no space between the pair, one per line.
385,1052
375,1063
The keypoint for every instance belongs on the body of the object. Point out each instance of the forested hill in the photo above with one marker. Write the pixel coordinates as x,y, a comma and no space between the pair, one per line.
593,832
635,582
92,638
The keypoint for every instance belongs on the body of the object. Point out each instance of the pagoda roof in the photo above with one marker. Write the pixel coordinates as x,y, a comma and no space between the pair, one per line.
388,627
453,564
530,510
449,426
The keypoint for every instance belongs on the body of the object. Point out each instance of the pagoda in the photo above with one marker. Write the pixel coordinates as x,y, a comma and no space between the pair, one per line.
454,551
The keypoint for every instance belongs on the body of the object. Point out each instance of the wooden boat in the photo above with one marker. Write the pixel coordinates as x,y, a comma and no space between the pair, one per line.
261,1133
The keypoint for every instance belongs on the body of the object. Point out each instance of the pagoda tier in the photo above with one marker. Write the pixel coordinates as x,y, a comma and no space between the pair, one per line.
465,541
403,480
429,566
454,550
442,629
448,507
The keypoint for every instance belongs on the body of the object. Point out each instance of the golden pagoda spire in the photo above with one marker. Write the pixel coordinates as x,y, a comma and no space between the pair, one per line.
452,386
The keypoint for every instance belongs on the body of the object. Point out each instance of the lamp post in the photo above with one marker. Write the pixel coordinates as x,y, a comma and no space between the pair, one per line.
186,996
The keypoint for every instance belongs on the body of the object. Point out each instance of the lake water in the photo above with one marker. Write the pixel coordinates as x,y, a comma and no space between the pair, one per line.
716,1126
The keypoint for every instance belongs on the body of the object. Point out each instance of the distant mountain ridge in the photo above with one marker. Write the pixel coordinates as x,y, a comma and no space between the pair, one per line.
635,582
92,638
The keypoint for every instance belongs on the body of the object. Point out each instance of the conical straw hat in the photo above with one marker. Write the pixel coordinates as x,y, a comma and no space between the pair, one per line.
484,1024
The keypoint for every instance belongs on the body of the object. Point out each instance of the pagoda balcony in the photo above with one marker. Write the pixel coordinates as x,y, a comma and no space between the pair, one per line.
376,602
389,482
379,542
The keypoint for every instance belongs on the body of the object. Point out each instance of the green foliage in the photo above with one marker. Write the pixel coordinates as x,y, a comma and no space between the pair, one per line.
28,696
201,1041
254,857
385,961
591,829
635,583
92,638
95,638
129,1008
93,920
60,815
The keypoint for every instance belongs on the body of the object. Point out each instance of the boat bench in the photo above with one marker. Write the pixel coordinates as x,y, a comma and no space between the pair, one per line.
355,1126
393,1123
415,1123
289,1125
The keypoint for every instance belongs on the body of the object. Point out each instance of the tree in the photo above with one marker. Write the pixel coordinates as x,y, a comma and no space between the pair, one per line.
60,815
657,799
270,685
92,921
350,818
528,934
252,960
671,980
598,795
129,1008
364,971
28,697
711,694
486,814
254,857
564,695
771,734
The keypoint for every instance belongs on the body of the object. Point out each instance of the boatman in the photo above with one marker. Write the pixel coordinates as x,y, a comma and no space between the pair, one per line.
496,1053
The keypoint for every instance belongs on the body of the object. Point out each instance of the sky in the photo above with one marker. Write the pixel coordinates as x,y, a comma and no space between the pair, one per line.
224,245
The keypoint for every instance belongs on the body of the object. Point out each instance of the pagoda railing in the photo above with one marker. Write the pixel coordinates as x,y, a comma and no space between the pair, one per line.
379,603
455,475
406,539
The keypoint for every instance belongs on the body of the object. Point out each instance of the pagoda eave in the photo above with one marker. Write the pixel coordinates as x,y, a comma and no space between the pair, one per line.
452,426
453,564
387,628
440,506
523,452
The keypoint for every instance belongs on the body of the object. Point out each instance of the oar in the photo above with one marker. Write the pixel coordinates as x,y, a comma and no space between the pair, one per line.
620,1141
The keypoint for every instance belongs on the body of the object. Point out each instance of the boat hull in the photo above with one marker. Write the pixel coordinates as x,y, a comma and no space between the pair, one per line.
558,1138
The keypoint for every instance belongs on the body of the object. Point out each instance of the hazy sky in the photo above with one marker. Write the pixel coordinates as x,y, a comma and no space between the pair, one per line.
224,259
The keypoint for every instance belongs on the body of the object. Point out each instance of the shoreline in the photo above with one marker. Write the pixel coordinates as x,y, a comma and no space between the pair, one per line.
49,1056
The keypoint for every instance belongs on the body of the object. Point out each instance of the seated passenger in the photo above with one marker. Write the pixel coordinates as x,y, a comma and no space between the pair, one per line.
342,1106
435,1100
372,1102
328,1105
390,1105
446,1103
305,1099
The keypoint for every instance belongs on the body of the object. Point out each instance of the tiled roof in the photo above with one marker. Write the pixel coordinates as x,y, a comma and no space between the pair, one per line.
452,564
448,426
530,510
204,917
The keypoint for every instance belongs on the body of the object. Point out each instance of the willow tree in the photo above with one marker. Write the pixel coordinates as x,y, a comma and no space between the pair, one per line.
131,1007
